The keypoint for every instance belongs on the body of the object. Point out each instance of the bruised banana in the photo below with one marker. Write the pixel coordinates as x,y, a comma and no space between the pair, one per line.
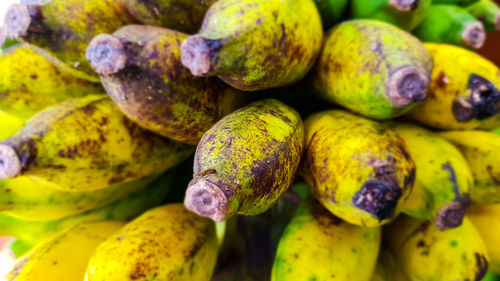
388,269
256,44
141,69
124,209
372,68
165,243
481,151
486,219
65,27
358,169
331,11
86,144
405,14
246,161
64,256
463,93
426,253
443,182
29,83
488,12
316,245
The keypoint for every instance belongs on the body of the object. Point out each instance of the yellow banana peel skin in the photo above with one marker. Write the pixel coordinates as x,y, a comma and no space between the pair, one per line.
165,243
357,168
486,219
316,245
64,256
428,254
480,149
387,268
443,181
463,92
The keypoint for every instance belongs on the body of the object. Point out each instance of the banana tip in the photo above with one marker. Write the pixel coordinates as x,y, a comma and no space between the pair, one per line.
196,53
405,5
206,199
10,164
474,35
106,54
450,216
17,20
407,85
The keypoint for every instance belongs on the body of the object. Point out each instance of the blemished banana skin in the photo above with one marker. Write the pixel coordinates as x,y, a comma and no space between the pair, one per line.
481,151
64,256
372,68
316,245
463,92
443,181
33,232
29,83
331,11
405,14
256,44
246,161
357,168
486,219
451,24
182,15
428,254
488,12
165,243
86,144
141,70
65,27
387,268
462,3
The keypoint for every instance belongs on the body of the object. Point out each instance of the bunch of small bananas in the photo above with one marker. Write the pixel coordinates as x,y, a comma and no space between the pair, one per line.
165,140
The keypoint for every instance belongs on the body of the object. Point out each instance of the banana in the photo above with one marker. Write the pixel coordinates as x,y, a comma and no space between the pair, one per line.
29,83
372,68
406,14
65,27
488,12
481,151
443,182
246,161
181,15
255,44
165,243
331,11
452,25
86,144
65,256
9,125
463,93
141,69
319,246
19,247
462,3
358,169
387,268
486,219
428,254
125,209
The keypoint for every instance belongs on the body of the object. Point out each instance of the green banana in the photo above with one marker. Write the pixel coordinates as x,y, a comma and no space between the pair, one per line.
141,69
255,44
372,68
86,144
462,3
452,25
331,11
65,27
488,12
443,182
426,253
319,246
360,170
124,209
165,243
481,151
246,161
182,15
406,14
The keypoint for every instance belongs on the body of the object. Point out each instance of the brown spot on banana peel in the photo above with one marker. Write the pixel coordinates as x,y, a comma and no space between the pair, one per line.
407,85
405,5
489,168
474,35
378,198
481,265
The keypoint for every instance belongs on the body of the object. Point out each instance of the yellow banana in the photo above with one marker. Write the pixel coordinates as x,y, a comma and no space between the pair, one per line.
428,254
319,246
64,256
486,219
9,125
358,169
387,268
443,182
86,144
165,243
481,151
463,93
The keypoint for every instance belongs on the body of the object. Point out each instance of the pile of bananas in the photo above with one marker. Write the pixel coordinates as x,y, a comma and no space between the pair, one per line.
163,140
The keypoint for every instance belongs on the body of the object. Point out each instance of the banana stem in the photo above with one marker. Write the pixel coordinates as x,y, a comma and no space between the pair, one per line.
474,35
197,53
405,5
106,54
407,85
21,18
206,199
